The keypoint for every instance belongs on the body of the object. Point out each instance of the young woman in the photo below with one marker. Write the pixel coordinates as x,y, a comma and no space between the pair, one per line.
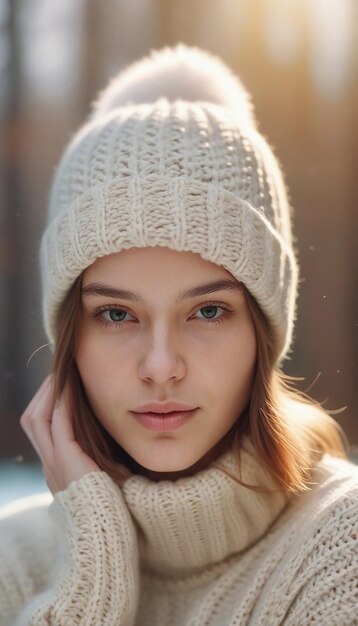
190,484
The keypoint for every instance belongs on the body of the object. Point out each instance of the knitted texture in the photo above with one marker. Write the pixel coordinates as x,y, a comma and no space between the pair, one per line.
189,175
96,579
211,553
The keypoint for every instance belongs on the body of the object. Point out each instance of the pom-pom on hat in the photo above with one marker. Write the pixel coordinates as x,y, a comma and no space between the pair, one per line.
171,156
179,73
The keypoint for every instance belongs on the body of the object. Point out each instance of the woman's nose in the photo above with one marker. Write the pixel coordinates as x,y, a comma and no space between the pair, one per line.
161,358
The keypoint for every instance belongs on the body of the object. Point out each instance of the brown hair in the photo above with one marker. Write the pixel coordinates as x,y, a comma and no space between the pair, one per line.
279,420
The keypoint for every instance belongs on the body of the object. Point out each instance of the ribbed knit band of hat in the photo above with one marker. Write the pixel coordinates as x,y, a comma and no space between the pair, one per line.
171,156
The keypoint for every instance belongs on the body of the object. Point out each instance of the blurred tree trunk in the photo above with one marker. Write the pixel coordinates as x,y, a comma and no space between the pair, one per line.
92,51
13,312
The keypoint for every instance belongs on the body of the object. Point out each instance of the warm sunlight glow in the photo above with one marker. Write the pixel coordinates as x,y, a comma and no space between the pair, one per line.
330,39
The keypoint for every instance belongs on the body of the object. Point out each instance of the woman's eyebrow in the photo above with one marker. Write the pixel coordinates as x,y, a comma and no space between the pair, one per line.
100,289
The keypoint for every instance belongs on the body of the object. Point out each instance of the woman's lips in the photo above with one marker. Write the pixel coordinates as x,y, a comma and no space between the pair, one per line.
162,422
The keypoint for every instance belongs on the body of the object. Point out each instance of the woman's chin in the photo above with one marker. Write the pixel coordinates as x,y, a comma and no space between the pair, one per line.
171,464
169,458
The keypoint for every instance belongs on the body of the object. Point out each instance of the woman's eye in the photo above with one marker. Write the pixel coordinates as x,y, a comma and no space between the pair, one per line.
111,316
114,316
210,311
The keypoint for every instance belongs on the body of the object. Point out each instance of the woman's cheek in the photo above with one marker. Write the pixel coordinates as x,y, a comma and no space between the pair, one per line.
90,359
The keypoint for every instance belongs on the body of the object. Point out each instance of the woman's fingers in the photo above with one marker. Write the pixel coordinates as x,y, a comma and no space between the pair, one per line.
62,425
28,413
68,452
36,420
49,426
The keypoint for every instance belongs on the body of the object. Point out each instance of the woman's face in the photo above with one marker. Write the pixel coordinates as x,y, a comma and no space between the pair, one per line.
159,344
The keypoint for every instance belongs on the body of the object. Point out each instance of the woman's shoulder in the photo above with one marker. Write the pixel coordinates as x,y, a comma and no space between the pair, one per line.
26,518
28,535
26,505
26,523
323,521
335,500
333,487
335,479
28,551
335,469
317,538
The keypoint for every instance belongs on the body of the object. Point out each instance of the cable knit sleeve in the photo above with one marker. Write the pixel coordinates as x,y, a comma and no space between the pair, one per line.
326,584
97,578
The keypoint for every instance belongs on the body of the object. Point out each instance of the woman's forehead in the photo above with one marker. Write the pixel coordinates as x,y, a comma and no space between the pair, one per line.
163,261
132,273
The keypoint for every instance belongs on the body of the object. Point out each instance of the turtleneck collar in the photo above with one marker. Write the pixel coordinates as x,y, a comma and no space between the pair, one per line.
193,522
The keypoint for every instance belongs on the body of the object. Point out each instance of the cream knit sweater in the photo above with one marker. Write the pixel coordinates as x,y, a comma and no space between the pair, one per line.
199,551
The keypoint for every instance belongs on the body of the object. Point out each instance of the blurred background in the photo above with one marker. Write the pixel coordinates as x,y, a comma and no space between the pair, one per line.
299,60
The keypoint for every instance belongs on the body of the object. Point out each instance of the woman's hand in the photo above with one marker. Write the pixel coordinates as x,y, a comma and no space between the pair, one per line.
50,431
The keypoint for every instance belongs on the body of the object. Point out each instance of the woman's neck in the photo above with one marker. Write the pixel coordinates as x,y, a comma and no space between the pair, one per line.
187,525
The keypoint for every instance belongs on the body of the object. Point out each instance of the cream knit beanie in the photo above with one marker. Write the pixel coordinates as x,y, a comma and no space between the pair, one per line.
171,156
